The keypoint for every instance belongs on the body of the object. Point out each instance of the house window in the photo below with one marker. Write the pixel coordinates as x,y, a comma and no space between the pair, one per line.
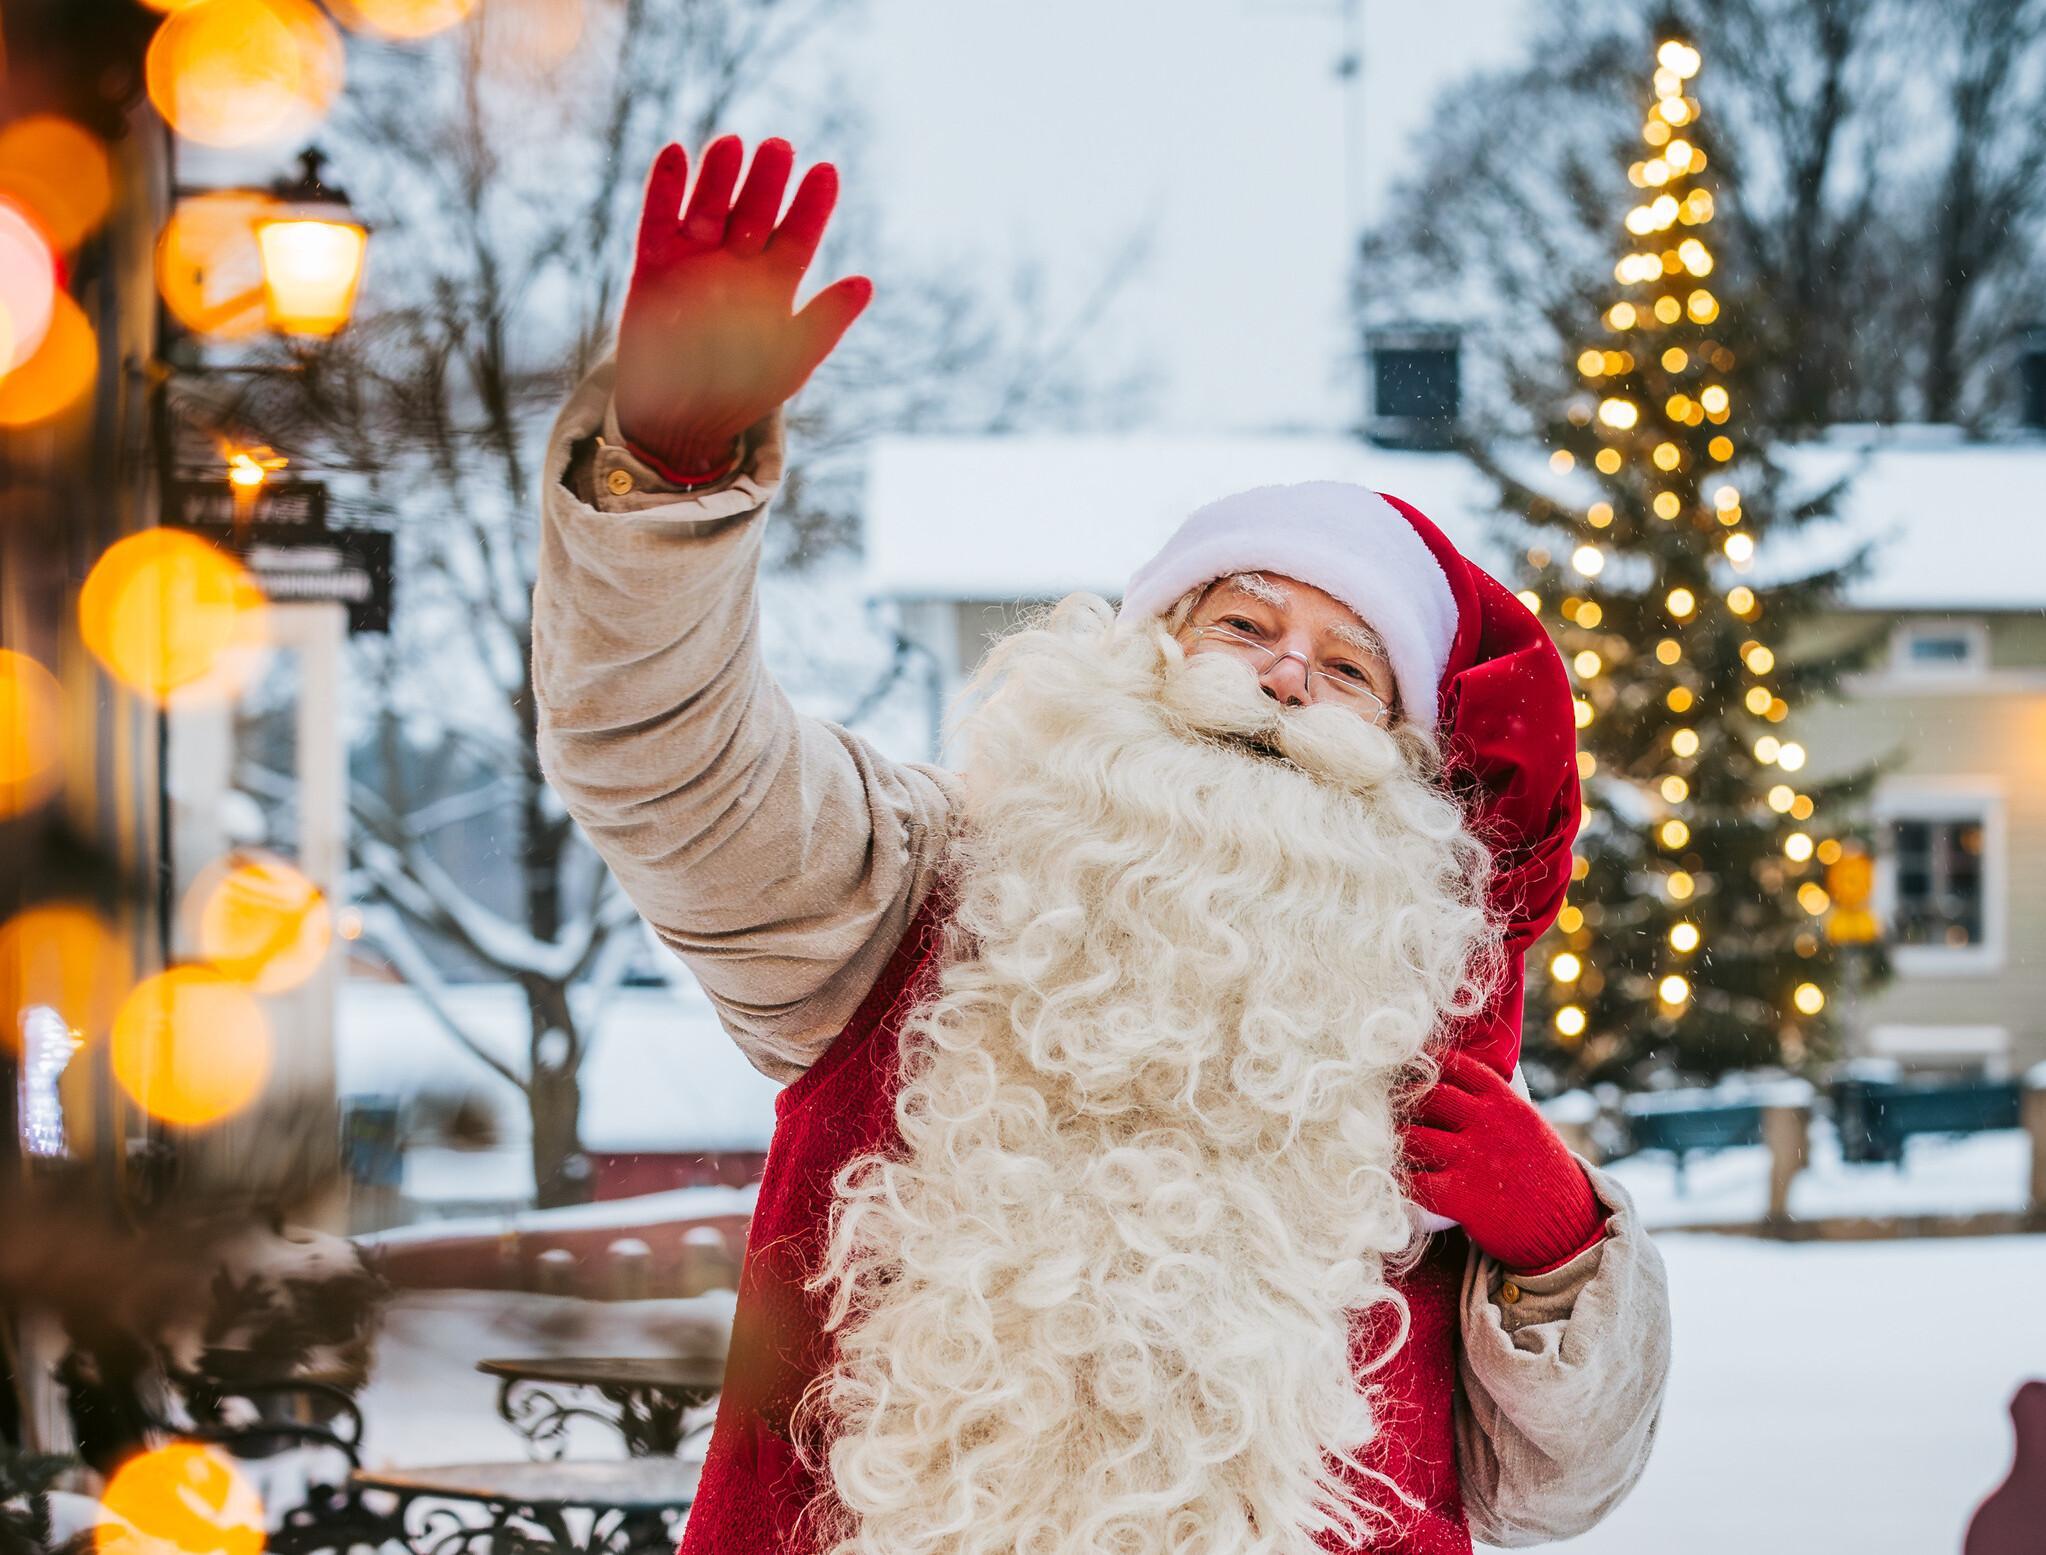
1939,649
1941,877
1939,882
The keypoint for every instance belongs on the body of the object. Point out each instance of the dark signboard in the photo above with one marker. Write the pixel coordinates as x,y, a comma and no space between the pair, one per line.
204,503
294,563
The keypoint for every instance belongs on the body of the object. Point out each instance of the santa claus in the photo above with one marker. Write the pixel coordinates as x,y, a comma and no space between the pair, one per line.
1154,1173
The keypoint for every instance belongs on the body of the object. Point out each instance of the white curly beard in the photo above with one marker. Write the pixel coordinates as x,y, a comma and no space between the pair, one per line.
1100,1301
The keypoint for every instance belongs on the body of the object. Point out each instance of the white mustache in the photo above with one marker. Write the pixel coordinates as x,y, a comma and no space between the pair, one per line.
1216,695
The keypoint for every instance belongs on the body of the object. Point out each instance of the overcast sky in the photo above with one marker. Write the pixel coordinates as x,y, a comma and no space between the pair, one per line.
1058,126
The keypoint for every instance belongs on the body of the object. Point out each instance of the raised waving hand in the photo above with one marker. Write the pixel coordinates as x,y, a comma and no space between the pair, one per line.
709,340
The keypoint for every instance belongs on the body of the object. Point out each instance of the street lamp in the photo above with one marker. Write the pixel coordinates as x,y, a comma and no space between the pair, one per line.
294,251
312,250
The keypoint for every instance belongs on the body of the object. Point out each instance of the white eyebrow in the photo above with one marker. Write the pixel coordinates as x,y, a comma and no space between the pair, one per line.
1359,637
1258,586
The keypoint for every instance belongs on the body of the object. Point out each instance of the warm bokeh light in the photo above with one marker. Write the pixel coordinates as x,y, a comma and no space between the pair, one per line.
257,918
1684,937
1588,560
1618,413
1673,989
1809,998
60,172
1681,886
1759,658
209,266
403,18
28,284
1566,967
1570,1021
310,273
1684,742
1678,58
64,955
58,375
163,610
191,1045
181,1499
235,72
31,726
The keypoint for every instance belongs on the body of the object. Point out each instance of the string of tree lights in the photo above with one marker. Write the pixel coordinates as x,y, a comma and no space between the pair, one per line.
1696,933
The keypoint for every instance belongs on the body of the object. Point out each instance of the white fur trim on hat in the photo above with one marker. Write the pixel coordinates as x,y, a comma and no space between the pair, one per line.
1345,540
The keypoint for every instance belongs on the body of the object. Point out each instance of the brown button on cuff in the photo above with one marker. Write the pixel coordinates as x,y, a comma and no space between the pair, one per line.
618,482
1509,1292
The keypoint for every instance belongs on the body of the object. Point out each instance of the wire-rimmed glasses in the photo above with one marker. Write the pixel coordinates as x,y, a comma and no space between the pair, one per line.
1339,689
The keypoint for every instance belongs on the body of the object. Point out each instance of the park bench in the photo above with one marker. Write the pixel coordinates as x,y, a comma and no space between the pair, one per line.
1655,1122
1875,1117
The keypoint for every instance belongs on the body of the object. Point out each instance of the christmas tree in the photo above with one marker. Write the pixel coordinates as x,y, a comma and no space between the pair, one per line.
1695,938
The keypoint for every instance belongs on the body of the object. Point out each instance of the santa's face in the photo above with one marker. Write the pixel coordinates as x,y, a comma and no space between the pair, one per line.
1304,644
1101,1296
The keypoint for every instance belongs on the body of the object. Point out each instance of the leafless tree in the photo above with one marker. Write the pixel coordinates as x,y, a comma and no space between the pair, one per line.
503,178
1883,213
1985,205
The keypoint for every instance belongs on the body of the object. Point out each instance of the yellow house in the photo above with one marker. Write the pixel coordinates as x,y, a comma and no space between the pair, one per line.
960,532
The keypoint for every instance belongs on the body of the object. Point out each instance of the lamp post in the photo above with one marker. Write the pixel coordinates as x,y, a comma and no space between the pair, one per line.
308,245
312,248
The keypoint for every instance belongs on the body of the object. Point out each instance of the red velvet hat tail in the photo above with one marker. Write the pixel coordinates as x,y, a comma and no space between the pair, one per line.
1508,730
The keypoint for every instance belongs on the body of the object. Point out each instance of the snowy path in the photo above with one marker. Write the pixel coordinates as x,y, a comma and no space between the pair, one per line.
1826,1396
1834,1396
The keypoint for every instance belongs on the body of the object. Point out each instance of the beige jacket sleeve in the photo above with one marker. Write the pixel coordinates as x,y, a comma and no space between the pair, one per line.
1562,1377
780,856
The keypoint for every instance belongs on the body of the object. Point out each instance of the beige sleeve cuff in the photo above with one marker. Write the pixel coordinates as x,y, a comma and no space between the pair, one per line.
622,482
1563,1377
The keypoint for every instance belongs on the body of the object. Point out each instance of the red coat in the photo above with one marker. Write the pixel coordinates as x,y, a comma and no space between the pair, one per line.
753,1487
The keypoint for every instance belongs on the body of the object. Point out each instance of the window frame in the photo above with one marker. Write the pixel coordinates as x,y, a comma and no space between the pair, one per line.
1936,800
1974,632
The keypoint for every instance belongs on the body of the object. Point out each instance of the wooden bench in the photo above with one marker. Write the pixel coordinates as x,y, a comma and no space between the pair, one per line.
1875,1117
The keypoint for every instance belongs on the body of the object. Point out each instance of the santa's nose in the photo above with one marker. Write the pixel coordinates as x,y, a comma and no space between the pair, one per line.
1285,680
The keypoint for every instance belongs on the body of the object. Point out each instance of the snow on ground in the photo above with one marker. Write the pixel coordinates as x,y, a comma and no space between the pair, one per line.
1824,1396
1967,1174
1833,1396
427,1403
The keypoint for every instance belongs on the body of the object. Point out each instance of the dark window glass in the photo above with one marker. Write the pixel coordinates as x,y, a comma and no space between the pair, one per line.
1927,649
1939,882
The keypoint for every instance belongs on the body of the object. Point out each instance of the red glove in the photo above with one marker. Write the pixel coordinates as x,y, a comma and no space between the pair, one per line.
707,344
1481,1154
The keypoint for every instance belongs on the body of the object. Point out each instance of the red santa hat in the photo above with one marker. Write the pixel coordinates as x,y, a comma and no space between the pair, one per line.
1346,540
1472,663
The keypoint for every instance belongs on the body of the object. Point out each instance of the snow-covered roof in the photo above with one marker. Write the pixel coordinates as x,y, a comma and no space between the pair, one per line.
1962,526
662,1074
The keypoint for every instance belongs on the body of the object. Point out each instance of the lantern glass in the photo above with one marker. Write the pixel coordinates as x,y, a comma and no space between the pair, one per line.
311,269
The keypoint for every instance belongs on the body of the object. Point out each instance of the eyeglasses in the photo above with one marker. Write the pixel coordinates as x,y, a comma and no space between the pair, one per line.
1339,689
